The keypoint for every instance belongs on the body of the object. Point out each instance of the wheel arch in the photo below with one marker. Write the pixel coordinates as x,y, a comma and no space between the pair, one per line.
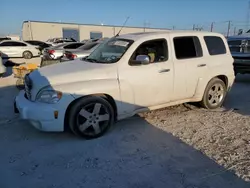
201,87
107,97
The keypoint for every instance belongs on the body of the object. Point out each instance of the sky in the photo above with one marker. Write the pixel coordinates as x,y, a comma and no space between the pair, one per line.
180,14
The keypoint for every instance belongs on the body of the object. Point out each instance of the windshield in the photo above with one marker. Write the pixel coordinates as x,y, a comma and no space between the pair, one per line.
109,51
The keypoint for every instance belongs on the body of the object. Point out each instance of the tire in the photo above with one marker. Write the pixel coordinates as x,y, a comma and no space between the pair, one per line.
85,115
213,98
27,55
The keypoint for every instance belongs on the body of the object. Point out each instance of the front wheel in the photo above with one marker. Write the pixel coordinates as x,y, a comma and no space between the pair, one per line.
91,117
214,94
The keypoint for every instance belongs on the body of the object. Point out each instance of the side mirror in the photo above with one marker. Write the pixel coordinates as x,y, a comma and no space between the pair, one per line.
143,59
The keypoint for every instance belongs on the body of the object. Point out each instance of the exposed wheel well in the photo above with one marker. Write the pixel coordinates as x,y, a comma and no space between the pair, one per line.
105,96
224,79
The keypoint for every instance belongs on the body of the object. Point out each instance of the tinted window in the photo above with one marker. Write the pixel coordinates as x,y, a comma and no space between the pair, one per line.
12,44
187,47
215,45
88,46
157,50
73,46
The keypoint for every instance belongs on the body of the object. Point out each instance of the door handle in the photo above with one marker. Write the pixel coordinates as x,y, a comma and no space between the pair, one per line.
164,70
201,65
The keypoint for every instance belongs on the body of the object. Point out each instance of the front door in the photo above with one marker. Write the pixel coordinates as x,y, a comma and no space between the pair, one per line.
150,84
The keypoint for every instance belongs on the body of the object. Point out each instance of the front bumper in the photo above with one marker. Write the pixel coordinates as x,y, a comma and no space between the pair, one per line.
242,66
41,115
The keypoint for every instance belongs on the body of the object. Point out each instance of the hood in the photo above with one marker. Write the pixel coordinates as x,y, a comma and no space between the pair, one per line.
71,72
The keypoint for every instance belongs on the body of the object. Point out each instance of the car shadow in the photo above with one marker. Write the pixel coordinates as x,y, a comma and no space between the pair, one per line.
238,98
133,154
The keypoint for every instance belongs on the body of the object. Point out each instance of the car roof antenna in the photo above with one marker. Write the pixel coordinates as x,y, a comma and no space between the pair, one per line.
122,27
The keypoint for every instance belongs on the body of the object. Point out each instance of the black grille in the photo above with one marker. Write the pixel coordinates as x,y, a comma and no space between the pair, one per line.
234,42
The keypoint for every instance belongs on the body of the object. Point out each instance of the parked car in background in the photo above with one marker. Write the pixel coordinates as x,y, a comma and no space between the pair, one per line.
4,38
56,41
40,44
11,49
240,50
126,75
81,52
56,52
2,67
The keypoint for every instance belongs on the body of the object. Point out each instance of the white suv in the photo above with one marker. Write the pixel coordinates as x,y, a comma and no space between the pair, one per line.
125,75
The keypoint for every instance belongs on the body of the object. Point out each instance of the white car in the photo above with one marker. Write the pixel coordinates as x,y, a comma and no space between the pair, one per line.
128,74
2,67
10,49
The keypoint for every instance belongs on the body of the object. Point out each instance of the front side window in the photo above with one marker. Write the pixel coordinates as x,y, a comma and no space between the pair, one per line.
156,50
12,44
187,47
110,51
215,45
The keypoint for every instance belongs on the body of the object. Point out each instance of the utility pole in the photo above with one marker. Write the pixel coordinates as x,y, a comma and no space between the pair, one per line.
193,26
235,30
228,28
212,27
146,25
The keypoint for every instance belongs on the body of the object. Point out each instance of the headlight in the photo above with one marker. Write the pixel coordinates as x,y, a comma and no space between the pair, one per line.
48,95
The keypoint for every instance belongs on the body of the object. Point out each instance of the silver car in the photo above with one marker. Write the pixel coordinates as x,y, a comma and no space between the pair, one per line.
56,52
80,52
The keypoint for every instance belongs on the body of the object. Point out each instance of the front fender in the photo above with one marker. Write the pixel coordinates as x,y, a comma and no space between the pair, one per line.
92,87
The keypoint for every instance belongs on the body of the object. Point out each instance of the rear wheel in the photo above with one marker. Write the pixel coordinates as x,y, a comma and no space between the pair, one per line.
27,55
91,117
214,94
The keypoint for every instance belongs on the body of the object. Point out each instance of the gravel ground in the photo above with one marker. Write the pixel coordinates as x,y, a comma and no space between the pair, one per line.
177,147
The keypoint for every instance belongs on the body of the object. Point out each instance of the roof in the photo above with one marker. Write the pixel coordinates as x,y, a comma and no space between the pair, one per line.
140,35
26,21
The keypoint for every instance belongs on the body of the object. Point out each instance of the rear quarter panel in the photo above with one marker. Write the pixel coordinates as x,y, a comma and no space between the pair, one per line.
217,65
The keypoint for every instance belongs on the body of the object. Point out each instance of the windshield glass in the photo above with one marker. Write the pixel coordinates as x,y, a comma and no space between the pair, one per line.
110,51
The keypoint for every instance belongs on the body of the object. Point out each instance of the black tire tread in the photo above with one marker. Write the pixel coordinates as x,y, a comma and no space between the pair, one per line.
75,110
204,103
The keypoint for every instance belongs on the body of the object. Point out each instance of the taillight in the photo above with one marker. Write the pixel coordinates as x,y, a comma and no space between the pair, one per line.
51,51
73,56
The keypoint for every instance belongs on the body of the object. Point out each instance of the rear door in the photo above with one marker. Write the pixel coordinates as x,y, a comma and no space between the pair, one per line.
190,66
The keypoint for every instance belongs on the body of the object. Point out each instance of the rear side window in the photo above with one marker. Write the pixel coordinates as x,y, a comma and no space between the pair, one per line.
187,47
215,45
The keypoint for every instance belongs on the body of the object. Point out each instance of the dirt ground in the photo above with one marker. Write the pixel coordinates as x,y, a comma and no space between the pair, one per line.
177,147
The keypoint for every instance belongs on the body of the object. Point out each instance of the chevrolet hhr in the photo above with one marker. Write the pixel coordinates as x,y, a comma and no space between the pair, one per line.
126,75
